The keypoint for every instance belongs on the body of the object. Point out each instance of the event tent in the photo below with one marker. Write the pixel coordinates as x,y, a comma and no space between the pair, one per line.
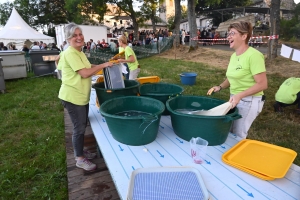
17,30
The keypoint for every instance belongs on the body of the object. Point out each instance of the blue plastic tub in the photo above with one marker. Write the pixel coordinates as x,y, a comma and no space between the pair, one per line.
188,78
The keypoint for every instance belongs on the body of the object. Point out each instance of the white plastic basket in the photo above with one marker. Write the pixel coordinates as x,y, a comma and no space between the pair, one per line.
167,183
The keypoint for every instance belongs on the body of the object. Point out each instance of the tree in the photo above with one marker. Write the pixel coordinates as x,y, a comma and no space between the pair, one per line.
171,19
5,11
192,23
274,29
37,14
149,10
46,18
127,7
291,28
85,11
177,22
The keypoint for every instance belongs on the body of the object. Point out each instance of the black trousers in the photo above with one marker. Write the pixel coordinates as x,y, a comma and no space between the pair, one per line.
297,101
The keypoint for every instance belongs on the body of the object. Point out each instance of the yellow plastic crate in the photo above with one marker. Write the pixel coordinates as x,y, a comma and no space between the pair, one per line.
148,79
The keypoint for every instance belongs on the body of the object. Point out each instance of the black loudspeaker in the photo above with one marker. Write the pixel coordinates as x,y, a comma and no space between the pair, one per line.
121,22
115,23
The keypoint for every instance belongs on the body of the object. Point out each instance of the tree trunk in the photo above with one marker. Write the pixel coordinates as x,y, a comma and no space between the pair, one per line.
192,24
153,21
177,22
274,29
135,27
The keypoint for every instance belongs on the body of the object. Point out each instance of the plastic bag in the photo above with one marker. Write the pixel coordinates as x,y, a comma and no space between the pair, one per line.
124,69
198,149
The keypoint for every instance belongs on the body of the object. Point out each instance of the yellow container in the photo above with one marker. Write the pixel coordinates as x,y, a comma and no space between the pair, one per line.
148,79
262,158
100,72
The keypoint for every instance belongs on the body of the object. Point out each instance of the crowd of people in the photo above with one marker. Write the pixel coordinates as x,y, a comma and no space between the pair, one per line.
35,46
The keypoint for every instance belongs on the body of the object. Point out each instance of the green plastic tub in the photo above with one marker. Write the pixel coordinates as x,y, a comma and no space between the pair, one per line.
161,92
103,94
133,130
214,129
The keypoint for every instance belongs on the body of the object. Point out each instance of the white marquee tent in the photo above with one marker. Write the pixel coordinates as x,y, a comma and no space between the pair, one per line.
17,30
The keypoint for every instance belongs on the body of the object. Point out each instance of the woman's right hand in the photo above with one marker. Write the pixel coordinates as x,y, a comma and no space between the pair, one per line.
213,89
108,64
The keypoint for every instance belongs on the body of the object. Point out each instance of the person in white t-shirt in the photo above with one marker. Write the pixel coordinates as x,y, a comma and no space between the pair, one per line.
93,45
35,46
183,36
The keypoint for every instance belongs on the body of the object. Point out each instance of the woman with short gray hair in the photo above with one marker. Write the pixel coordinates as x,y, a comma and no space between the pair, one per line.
75,91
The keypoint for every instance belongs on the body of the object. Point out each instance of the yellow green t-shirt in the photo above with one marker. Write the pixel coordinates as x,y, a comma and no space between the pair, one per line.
242,68
128,53
59,67
121,49
287,92
74,88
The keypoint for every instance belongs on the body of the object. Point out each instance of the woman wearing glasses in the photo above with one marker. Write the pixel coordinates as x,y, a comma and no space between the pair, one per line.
245,76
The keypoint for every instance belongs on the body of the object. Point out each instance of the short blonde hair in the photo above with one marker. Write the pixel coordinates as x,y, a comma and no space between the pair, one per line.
242,27
123,39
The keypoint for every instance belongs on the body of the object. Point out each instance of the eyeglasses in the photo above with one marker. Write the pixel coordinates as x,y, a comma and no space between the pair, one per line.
231,33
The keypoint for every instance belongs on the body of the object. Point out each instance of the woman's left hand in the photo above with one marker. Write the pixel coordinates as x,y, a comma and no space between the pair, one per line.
234,100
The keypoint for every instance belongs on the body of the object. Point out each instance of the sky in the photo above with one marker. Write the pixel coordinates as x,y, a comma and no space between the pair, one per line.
3,1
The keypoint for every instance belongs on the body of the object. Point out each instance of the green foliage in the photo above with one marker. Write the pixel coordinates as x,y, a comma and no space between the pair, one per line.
171,18
83,11
291,28
149,10
37,14
5,11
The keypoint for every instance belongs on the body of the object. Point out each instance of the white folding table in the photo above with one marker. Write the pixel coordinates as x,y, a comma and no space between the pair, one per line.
221,180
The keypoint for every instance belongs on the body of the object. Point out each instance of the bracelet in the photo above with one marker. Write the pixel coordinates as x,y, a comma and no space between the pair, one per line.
220,87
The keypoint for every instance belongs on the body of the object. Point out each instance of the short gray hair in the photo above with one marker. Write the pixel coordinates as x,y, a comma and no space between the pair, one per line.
70,30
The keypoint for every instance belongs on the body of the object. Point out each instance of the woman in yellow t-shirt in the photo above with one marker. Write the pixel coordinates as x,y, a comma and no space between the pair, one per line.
130,59
245,76
75,91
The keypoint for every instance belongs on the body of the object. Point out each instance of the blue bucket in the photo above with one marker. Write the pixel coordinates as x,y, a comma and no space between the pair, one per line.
188,78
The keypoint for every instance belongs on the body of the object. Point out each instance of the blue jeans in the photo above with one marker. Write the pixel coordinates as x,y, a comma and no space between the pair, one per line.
79,118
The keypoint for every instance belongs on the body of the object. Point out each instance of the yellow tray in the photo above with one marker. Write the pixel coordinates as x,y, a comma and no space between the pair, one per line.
263,158
148,79
249,171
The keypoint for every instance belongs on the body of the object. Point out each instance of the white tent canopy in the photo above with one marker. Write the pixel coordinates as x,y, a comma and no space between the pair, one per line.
18,31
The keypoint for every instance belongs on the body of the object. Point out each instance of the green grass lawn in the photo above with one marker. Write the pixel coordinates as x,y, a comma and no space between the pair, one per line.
32,145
